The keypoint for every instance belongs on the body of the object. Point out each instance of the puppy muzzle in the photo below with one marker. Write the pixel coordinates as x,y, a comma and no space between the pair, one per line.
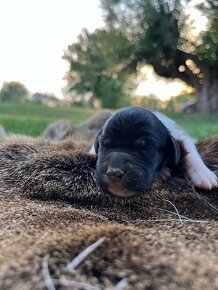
121,176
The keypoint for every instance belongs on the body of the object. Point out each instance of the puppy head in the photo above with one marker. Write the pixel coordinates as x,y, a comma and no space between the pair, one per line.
132,147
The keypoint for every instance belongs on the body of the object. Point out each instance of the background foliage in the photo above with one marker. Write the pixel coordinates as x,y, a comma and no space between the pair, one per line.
154,32
95,65
13,92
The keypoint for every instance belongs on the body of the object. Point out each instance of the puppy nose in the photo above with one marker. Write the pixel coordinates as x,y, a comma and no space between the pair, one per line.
115,173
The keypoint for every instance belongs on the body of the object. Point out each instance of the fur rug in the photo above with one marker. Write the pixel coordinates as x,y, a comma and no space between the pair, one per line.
52,209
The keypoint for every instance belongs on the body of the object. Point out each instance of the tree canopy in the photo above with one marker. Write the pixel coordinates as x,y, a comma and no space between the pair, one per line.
13,91
160,32
96,61
154,32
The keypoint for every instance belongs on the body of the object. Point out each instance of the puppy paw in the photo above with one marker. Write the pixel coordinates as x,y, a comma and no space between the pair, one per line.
203,177
165,174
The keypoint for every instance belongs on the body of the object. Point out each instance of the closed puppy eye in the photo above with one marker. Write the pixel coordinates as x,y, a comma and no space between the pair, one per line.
140,142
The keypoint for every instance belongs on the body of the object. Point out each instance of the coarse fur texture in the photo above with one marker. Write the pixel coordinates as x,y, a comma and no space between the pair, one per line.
52,209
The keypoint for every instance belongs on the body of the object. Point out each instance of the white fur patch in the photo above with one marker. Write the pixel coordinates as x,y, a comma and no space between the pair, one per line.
92,150
200,175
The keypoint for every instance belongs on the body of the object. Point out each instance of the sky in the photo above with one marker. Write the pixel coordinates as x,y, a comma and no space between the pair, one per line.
34,34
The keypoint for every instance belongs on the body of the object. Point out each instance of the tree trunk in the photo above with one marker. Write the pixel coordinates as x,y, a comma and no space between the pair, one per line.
207,94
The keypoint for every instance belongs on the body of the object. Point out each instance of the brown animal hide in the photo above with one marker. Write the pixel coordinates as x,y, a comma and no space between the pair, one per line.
52,209
86,131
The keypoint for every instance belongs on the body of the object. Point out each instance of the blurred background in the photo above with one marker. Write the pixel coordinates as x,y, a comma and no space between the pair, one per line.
69,59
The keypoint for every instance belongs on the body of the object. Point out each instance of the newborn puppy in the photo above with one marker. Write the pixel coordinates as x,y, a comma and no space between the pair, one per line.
136,145
133,147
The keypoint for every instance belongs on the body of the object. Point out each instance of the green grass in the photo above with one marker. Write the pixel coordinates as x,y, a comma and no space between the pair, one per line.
32,119
198,125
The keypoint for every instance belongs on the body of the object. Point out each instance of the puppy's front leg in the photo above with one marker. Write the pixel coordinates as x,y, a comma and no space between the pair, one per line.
200,175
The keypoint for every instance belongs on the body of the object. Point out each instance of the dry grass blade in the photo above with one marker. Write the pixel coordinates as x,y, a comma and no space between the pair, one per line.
46,275
78,259
213,207
75,284
173,220
184,218
121,285
177,212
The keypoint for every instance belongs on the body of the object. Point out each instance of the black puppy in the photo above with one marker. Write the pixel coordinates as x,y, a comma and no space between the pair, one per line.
133,147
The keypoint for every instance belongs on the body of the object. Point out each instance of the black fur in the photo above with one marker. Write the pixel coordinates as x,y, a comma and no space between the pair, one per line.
132,147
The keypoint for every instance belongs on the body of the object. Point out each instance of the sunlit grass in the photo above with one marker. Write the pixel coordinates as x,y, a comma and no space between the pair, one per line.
198,125
32,119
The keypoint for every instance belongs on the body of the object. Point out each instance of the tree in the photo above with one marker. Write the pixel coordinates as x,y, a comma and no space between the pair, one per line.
160,32
111,92
95,62
13,91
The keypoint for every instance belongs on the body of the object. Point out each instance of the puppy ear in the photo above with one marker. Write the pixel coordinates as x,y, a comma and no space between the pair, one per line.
174,151
97,140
